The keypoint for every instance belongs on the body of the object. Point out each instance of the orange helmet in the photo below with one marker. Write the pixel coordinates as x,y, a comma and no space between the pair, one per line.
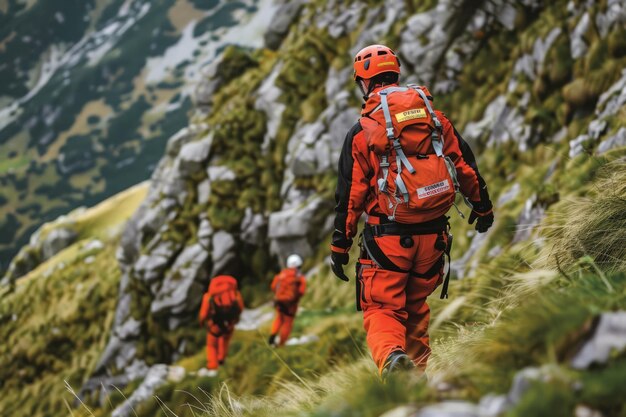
373,60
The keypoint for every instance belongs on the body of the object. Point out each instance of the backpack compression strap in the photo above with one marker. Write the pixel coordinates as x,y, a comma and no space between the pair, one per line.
401,158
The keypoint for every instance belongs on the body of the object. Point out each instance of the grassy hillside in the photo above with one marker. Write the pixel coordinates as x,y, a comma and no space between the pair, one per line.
540,119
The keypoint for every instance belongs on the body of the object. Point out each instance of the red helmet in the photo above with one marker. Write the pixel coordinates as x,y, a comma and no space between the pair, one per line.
373,60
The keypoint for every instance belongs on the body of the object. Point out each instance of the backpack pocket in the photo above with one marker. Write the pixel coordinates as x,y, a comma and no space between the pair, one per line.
430,190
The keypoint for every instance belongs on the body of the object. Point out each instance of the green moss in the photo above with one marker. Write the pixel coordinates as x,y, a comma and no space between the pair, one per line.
235,61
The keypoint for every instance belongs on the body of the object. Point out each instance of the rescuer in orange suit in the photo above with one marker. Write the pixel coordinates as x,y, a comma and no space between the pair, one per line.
402,164
221,308
288,287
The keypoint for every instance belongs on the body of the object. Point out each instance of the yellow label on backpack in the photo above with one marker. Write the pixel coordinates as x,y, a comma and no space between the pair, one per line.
411,114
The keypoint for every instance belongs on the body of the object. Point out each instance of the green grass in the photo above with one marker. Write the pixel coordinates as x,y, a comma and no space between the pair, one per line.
53,330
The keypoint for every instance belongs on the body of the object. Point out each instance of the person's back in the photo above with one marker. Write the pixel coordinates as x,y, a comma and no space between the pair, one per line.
221,308
289,285
402,164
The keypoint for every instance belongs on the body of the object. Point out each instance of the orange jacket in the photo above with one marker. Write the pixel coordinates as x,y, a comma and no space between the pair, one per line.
290,271
357,177
217,285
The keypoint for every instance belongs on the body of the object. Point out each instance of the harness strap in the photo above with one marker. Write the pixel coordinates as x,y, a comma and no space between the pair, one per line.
432,271
376,254
446,280
432,227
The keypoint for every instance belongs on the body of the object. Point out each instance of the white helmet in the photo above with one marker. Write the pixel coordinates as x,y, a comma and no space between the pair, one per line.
294,261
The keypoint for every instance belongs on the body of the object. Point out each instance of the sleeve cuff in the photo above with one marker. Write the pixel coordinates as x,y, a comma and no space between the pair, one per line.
339,250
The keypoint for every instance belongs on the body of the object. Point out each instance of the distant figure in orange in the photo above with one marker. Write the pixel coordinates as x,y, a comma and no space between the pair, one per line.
221,307
288,287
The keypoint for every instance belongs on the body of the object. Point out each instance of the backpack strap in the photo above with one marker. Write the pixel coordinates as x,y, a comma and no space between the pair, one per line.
401,158
437,135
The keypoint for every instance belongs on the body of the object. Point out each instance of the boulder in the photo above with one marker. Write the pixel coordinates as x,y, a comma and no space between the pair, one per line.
193,155
609,336
57,240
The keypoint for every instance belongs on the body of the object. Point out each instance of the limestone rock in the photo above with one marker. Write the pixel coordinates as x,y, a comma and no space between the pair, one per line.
577,43
609,335
204,191
129,329
576,145
268,103
182,137
339,18
401,411
293,222
252,227
616,141
282,20
449,409
193,155
57,240
157,376
182,286
613,99
531,216
223,246
221,173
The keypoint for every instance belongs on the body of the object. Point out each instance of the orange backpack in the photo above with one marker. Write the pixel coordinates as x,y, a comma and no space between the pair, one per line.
224,301
416,181
287,287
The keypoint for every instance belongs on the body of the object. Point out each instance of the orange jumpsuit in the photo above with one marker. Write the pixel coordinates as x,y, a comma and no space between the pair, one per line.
392,294
219,331
286,311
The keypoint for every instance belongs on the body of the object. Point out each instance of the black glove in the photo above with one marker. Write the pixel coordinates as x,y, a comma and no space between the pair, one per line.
484,220
337,260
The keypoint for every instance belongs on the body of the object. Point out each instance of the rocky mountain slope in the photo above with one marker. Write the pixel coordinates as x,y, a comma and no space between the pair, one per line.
92,90
539,89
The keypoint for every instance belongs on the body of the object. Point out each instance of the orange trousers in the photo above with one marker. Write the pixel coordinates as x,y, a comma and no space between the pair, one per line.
395,312
216,349
283,322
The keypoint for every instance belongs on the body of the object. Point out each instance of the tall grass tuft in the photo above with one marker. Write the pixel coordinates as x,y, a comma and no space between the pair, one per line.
592,226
